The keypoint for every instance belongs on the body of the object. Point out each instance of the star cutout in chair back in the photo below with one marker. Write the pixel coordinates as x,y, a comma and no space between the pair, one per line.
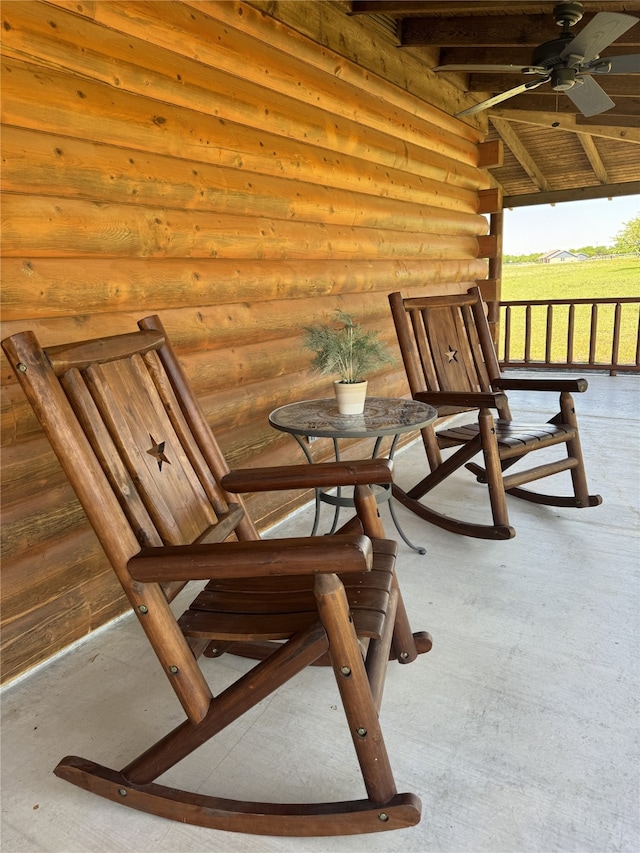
451,354
157,451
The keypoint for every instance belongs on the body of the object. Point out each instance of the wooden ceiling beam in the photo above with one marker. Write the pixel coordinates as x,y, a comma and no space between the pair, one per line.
413,8
589,148
606,119
567,122
481,55
518,56
616,84
469,30
562,104
511,140
579,194
490,30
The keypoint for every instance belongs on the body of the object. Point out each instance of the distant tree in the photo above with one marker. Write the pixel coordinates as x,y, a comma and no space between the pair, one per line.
592,250
628,239
521,259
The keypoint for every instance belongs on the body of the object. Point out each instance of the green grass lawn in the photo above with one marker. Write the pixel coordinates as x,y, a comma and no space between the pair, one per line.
618,277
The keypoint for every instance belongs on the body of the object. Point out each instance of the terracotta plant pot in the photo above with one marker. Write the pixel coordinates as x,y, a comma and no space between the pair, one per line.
350,397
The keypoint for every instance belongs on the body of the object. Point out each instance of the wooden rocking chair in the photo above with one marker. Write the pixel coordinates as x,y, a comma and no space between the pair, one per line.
134,443
450,362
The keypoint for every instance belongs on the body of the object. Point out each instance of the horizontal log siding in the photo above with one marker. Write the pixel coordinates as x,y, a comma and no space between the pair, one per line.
209,163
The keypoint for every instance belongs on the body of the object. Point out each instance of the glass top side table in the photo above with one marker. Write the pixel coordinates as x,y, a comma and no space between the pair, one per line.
382,416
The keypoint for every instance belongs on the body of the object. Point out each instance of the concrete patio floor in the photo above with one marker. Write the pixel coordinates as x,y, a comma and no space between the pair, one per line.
519,731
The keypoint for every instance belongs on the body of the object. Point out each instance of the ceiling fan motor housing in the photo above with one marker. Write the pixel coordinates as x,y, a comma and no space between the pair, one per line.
547,55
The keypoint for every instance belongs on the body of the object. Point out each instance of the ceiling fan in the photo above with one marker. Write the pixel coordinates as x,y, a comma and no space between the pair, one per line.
569,61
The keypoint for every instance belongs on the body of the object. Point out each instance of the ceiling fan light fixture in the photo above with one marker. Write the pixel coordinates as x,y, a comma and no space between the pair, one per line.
563,79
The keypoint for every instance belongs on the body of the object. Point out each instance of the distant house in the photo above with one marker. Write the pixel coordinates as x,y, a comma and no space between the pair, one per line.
559,255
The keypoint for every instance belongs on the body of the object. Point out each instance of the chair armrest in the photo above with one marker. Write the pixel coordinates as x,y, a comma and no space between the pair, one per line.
468,399
262,558
323,475
524,384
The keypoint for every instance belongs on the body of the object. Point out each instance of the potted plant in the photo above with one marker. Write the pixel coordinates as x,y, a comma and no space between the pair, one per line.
349,351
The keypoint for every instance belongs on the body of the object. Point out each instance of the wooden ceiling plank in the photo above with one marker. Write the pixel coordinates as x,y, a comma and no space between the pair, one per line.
512,141
593,156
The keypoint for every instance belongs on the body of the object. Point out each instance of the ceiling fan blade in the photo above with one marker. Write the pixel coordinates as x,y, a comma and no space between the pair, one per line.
598,34
589,97
496,99
490,69
628,64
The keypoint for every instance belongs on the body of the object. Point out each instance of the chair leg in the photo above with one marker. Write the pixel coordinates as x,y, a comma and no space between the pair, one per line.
493,469
351,676
574,449
367,511
407,645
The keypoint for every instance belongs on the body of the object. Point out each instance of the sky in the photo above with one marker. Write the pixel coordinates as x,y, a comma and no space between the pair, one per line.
569,225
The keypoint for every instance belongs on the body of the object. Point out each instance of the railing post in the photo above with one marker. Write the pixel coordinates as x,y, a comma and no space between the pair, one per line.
615,346
527,334
571,328
593,334
549,337
507,333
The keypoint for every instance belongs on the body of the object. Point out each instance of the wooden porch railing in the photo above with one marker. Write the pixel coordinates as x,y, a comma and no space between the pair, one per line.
592,334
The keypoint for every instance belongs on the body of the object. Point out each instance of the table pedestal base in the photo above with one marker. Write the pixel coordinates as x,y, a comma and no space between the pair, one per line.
339,500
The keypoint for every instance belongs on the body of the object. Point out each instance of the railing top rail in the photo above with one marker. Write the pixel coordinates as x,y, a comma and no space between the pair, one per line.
594,301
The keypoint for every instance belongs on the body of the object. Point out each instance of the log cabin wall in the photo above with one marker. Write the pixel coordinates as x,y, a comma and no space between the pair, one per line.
214,165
